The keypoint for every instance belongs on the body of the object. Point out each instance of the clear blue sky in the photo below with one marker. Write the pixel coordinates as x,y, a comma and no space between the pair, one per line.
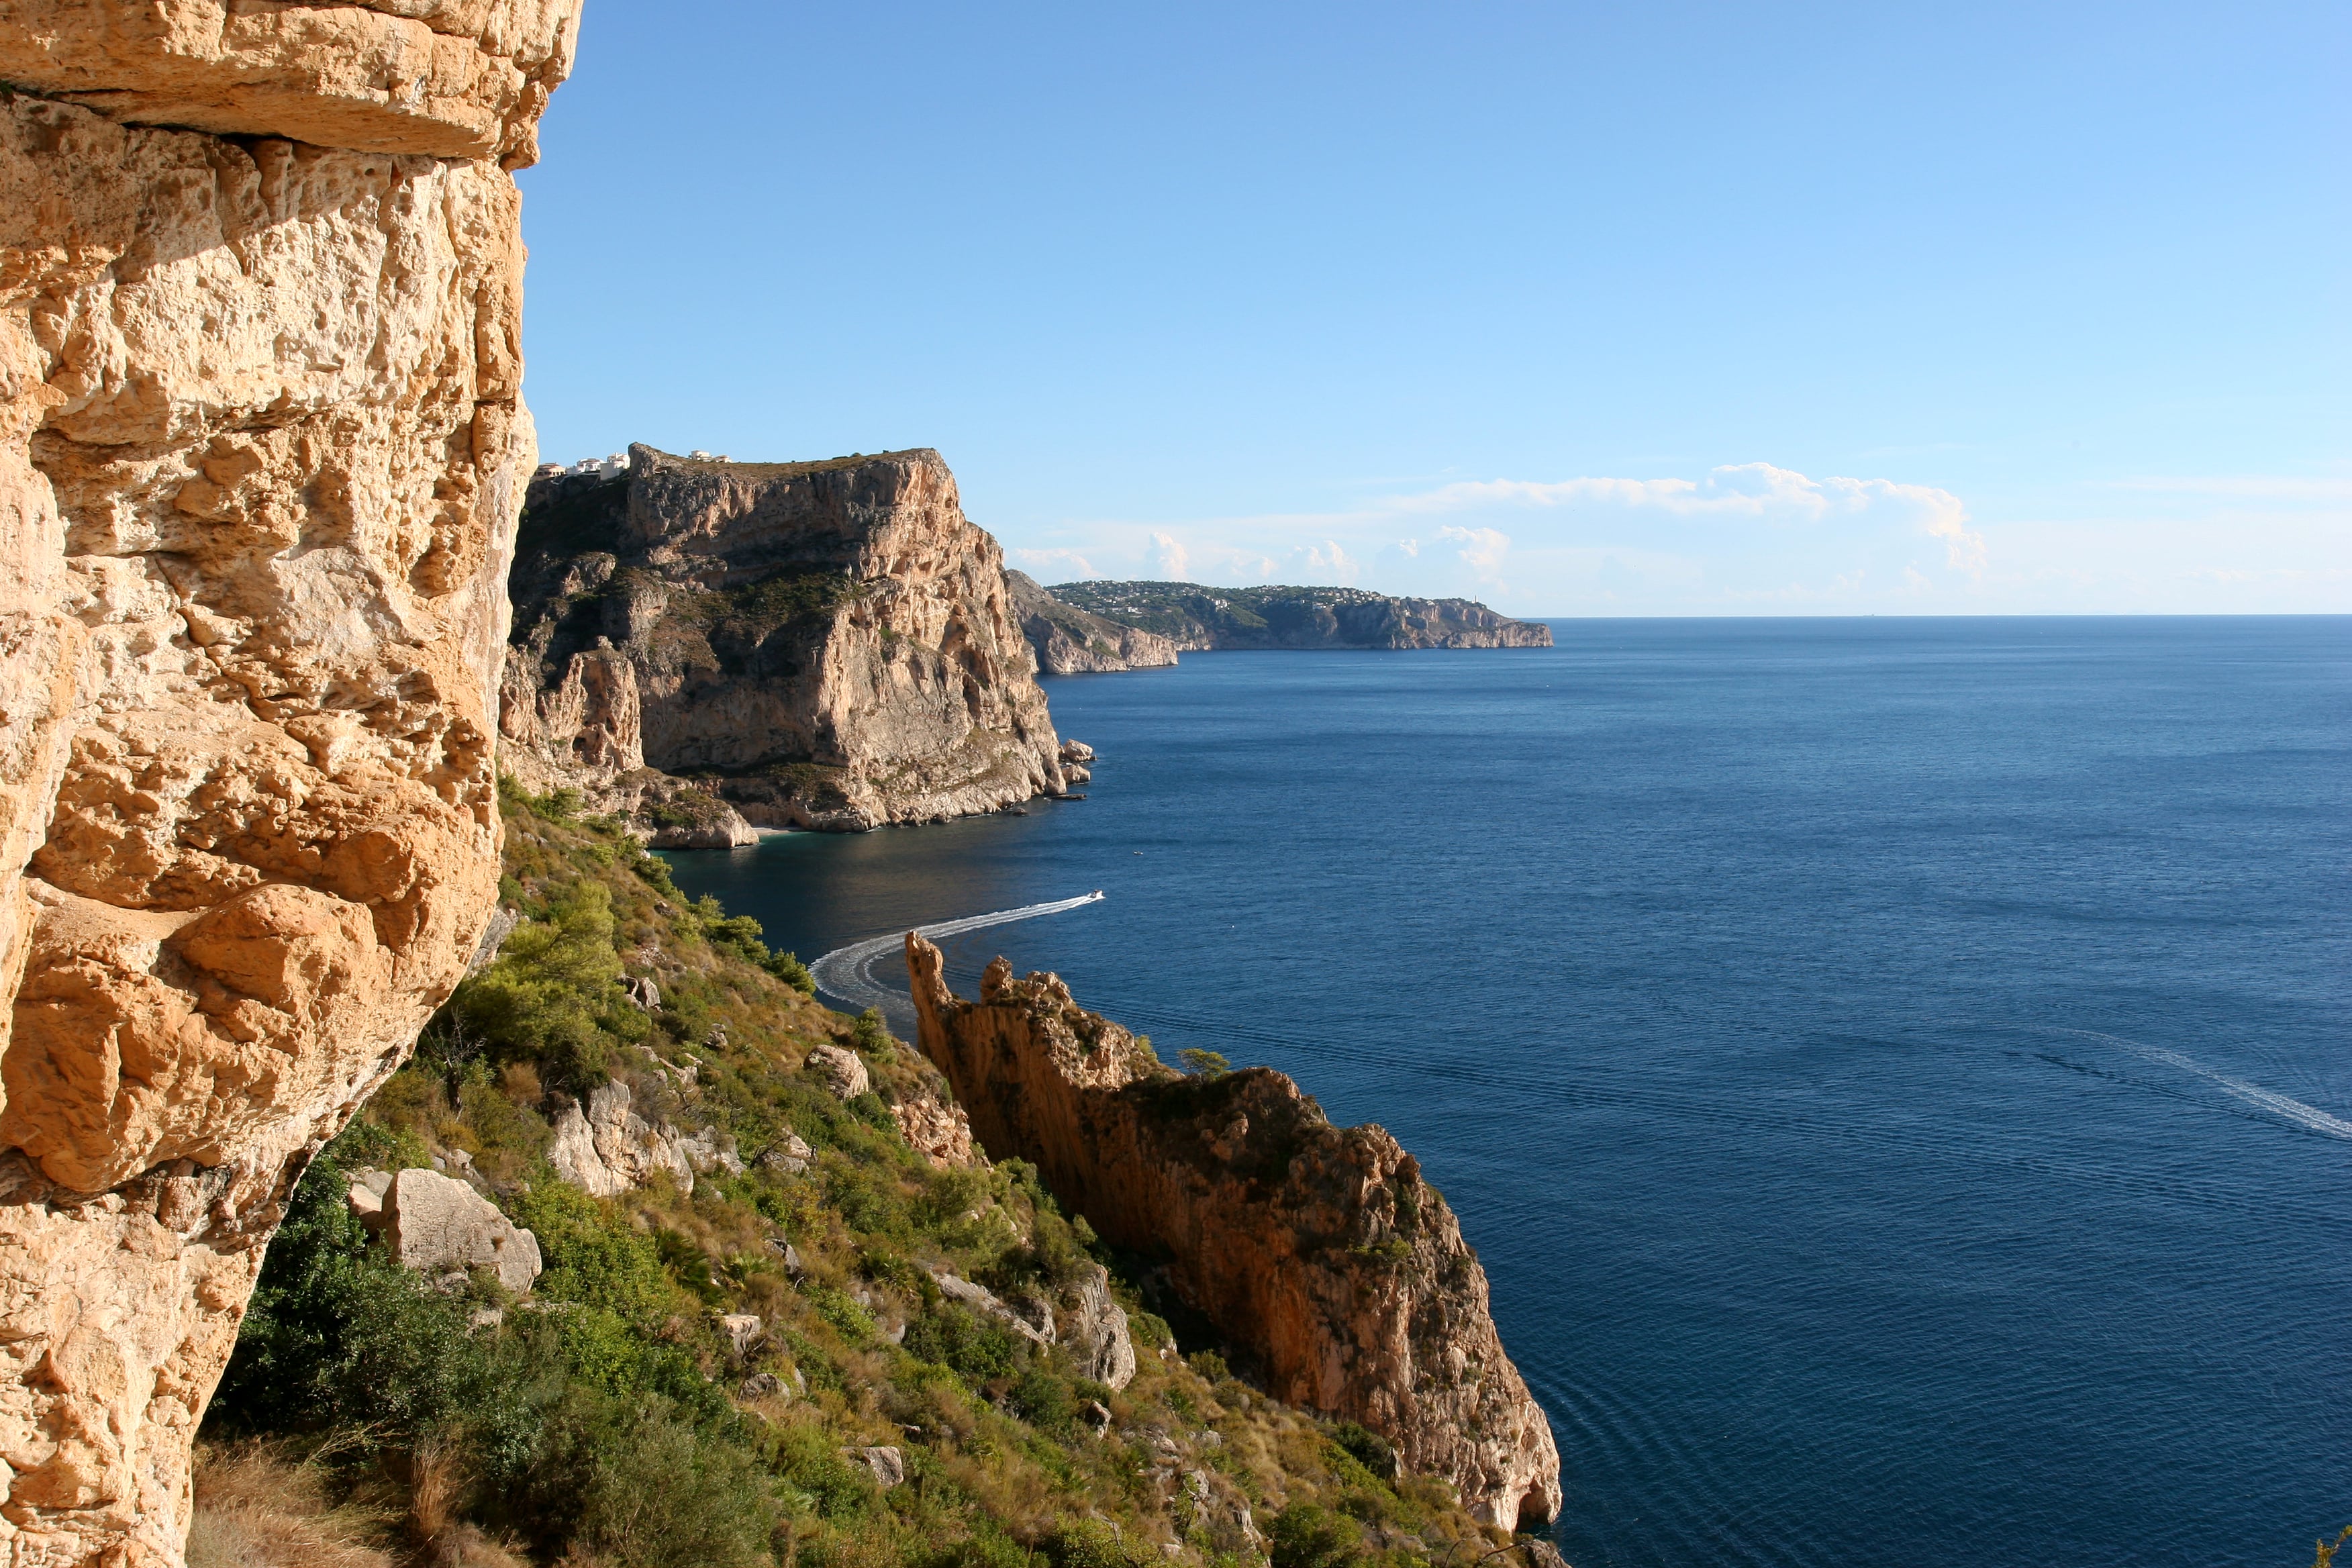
1658,309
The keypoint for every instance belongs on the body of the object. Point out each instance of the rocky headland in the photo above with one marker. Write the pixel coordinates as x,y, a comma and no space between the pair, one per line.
1070,641
826,645
1191,619
1318,1251
262,446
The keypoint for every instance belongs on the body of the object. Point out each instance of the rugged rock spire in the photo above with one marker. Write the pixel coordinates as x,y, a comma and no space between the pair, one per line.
1317,1249
262,446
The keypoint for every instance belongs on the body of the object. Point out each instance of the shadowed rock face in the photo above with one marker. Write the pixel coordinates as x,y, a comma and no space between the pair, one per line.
1317,1249
828,644
261,450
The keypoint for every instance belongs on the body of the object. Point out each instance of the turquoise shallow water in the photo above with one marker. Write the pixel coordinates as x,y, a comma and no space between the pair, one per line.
1895,1072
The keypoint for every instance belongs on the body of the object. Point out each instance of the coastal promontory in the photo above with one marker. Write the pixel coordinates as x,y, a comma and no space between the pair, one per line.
829,644
1192,617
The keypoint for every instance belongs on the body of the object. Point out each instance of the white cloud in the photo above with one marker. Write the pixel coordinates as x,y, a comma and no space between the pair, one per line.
1481,549
1328,561
1056,561
1170,561
1738,490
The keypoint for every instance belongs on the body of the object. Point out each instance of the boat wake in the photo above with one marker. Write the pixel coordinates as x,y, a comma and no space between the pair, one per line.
848,972
2253,1094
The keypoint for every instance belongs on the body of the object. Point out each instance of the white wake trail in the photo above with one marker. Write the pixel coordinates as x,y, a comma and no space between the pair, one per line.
2253,1094
848,972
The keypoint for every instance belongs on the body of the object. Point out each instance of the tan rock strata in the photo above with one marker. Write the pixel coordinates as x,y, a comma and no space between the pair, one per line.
262,446
1318,1251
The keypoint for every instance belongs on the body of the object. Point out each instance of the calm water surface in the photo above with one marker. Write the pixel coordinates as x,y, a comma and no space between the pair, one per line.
1895,1072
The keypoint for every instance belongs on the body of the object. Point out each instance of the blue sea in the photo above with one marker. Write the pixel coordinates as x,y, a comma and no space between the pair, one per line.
1895,1072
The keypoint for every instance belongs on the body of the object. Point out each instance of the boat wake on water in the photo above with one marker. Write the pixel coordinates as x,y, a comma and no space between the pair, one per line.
848,972
2253,1094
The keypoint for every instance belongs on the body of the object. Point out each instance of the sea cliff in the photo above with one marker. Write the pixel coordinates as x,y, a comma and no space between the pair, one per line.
827,644
262,444
1318,1251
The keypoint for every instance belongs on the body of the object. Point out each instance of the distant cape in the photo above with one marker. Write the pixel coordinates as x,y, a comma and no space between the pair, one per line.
1191,618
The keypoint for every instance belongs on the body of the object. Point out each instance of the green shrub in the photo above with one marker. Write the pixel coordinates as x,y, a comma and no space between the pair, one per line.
339,1335
978,1349
639,1486
592,1257
1093,1543
850,1320
553,995
871,1033
1043,1401
792,971
1306,1536
1366,1447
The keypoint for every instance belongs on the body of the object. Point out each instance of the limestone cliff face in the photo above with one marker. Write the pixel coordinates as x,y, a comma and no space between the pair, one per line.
1070,641
261,451
1315,1249
823,644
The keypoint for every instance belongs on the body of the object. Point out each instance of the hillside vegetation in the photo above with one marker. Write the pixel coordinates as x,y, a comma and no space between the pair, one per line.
618,1417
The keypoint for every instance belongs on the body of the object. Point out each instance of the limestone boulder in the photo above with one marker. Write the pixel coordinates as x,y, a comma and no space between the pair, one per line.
608,1149
442,1228
842,1072
1093,1327
937,1130
888,1465
742,1330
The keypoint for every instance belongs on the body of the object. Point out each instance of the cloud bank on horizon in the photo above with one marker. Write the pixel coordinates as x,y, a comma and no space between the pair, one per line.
1756,539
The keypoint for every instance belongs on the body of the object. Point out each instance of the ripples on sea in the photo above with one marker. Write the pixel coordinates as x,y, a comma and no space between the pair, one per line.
1895,1072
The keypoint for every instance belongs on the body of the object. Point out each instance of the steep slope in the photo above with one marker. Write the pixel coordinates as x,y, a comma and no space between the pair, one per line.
261,450
1319,1248
823,1335
821,645
1196,619
1070,641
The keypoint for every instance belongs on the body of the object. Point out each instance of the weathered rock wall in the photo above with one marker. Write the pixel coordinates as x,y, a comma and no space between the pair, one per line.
262,446
829,644
1319,1250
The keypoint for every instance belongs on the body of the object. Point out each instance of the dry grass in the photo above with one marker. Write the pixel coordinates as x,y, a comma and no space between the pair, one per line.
256,1508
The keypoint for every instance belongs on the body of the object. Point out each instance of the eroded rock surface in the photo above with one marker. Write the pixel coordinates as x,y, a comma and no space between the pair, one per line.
823,645
442,1228
262,447
1319,1249
609,1149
